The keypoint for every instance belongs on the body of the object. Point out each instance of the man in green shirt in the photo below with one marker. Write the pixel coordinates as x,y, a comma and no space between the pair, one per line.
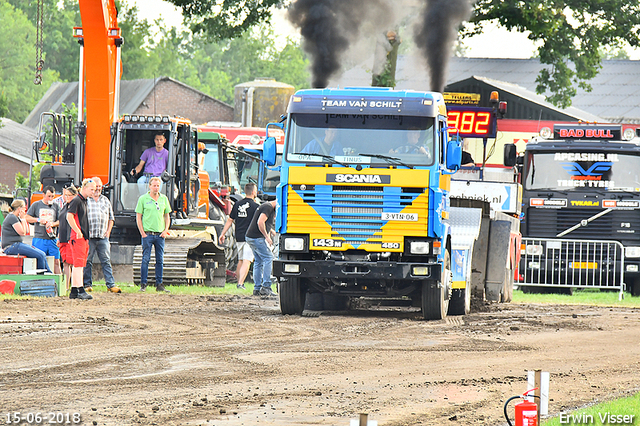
152,218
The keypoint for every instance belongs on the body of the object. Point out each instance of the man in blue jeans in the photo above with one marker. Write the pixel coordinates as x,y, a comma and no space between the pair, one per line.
100,215
152,218
258,237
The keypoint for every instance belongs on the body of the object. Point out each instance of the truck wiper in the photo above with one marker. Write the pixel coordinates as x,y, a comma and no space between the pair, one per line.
326,157
392,160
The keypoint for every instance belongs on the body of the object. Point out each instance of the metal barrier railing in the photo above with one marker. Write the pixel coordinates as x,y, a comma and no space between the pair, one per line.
571,263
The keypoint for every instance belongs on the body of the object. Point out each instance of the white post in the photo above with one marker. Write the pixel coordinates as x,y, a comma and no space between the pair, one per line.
116,98
81,83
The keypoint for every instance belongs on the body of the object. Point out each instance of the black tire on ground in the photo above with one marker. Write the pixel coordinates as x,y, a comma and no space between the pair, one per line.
292,296
435,298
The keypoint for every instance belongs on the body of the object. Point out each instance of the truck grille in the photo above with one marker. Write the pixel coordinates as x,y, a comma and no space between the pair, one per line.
621,225
355,212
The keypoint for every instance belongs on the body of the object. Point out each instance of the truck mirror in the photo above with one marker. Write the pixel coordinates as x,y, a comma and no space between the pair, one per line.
41,143
454,154
269,151
510,155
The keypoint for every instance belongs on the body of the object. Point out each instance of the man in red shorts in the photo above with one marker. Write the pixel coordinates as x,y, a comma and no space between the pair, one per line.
79,241
64,231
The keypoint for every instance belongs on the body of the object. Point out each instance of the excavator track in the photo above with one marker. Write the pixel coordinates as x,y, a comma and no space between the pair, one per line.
187,261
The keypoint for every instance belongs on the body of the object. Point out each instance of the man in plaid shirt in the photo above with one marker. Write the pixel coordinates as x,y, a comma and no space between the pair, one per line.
100,215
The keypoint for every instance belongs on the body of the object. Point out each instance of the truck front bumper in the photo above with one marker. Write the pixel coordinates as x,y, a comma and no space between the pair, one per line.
349,271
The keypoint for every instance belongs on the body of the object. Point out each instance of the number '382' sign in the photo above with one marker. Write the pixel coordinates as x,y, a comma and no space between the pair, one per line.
472,122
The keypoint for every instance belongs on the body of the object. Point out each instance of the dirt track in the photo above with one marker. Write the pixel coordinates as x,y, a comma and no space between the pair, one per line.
153,359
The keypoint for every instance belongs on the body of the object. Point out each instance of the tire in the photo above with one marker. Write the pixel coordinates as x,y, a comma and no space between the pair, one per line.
292,297
435,298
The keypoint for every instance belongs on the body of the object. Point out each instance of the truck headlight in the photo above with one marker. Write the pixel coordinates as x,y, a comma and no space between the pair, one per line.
632,268
534,249
632,252
419,247
294,244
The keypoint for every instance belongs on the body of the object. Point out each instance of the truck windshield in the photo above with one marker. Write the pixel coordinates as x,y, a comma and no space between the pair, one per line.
346,137
582,171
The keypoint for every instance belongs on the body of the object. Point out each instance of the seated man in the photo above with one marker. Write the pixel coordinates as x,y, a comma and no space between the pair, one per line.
328,146
411,146
154,160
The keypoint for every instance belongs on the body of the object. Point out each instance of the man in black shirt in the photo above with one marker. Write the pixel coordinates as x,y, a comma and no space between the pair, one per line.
79,224
241,215
259,236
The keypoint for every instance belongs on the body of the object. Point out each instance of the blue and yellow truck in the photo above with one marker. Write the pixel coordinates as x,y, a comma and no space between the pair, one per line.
363,201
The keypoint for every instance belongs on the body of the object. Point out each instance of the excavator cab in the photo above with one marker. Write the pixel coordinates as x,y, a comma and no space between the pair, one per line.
132,136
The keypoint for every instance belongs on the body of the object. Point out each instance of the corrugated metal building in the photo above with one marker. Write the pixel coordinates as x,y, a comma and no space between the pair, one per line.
615,96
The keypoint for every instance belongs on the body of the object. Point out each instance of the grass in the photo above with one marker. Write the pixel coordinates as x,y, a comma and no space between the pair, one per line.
623,406
580,297
197,290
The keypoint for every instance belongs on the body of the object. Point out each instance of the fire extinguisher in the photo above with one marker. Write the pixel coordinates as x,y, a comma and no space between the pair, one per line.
526,411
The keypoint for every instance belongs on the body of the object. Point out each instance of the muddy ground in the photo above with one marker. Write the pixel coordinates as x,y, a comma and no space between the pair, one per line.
158,359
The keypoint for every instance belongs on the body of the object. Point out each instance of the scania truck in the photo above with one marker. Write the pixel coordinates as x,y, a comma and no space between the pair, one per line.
581,206
363,201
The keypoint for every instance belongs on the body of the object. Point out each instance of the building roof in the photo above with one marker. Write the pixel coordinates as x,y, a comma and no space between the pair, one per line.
132,95
615,96
16,140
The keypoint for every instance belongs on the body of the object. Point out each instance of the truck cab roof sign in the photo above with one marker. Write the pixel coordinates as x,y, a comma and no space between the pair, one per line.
344,104
587,132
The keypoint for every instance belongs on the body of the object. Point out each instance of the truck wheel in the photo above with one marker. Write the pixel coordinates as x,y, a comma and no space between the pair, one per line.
292,296
435,298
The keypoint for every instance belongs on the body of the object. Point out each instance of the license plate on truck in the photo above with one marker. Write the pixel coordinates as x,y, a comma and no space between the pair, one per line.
583,265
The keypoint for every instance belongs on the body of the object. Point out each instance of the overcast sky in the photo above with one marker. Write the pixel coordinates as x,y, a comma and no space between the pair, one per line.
494,43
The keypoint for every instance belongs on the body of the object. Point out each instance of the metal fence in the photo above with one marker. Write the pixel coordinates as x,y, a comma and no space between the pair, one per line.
571,263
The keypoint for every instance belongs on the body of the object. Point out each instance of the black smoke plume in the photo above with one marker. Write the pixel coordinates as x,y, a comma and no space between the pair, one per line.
329,27
435,34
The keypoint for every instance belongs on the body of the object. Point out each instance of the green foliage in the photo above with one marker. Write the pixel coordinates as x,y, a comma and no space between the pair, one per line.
211,67
225,19
61,50
18,94
571,34
22,182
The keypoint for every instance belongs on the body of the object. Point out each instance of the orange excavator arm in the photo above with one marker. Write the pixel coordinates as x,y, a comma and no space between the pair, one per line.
101,36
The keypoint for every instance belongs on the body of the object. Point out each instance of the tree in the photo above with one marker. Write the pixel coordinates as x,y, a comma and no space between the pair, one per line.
18,94
61,50
226,19
571,32
571,35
